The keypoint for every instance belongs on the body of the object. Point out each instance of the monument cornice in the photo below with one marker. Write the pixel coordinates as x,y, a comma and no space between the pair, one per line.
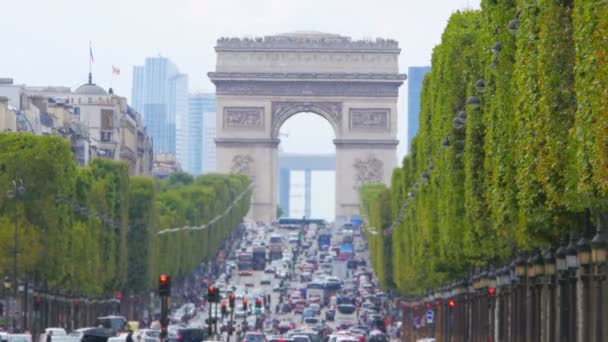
306,76
307,42
246,142
366,144
306,88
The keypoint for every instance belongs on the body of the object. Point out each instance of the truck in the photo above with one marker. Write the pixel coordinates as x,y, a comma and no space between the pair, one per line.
275,251
259,258
346,252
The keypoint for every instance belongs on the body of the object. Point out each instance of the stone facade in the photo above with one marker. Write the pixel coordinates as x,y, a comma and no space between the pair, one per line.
262,82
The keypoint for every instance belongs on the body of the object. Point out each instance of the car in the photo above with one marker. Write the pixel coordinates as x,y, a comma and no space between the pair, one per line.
245,272
19,338
265,281
239,314
280,339
146,335
52,332
312,321
254,336
301,338
269,270
316,308
330,314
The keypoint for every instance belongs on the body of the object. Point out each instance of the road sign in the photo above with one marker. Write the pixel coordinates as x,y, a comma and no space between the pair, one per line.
417,322
430,316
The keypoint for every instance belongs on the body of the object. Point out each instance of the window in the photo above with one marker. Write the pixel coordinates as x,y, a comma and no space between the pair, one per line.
107,119
77,111
90,100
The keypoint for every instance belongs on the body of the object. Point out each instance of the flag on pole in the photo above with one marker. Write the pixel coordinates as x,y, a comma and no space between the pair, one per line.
91,53
115,70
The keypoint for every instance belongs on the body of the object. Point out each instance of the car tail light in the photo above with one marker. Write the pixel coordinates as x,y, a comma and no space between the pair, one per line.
180,337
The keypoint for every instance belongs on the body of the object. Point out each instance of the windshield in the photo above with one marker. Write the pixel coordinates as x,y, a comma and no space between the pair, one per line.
245,266
317,286
378,338
115,323
346,309
254,338
275,239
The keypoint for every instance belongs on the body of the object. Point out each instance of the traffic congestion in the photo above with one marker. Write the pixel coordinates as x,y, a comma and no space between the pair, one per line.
286,282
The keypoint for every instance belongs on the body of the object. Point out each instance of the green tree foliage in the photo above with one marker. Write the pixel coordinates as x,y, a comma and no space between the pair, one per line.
528,161
94,230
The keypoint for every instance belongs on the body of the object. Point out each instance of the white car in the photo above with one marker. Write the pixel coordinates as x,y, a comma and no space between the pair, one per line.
19,338
54,332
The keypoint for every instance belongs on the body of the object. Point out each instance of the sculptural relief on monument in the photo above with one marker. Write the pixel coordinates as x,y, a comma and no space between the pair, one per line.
370,119
243,117
242,164
368,170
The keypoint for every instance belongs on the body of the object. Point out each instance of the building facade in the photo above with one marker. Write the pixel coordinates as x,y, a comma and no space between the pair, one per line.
200,133
98,123
160,93
209,135
414,89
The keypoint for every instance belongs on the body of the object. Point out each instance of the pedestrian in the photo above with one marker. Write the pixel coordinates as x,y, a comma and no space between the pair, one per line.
129,335
49,336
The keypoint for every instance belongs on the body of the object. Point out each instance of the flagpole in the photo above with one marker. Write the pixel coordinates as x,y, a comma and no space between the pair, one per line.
90,49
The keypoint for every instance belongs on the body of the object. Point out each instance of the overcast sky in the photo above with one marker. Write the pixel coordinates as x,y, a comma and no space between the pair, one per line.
46,42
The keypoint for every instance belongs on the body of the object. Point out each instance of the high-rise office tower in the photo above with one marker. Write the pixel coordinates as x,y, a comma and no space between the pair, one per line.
200,133
160,93
415,77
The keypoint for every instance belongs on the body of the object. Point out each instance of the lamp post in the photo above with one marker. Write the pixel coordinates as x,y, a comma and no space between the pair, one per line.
583,249
519,332
549,275
572,265
562,280
599,257
16,191
537,287
7,288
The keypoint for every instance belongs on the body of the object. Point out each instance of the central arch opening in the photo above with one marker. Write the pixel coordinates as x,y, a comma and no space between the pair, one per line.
306,174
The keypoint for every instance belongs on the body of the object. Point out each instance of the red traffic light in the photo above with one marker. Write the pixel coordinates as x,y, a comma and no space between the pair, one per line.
163,279
211,289
437,303
416,308
452,303
37,300
491,291
428,306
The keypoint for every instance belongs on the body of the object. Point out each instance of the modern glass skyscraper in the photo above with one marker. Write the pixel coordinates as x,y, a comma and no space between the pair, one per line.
160,93
200,133
415,77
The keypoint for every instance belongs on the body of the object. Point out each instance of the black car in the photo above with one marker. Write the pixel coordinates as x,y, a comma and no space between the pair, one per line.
188,335
330,314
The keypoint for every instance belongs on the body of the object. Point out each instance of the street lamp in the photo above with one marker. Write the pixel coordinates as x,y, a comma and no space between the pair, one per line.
474,102
480,85
15,191
513,26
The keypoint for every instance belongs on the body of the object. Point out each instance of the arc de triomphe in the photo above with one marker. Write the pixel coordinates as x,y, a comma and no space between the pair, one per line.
262,82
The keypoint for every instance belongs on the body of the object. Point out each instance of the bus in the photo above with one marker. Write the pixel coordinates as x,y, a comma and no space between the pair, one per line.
316,288
324,240
346,314
245,263
259,258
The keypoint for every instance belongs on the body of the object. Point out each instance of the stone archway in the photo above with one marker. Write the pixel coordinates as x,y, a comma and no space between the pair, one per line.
260,83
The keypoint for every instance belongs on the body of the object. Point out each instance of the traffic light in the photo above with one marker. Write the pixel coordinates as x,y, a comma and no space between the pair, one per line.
245,305
37,303
232,299
224,309
258,304
164,285
492,291
452,303
211,291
